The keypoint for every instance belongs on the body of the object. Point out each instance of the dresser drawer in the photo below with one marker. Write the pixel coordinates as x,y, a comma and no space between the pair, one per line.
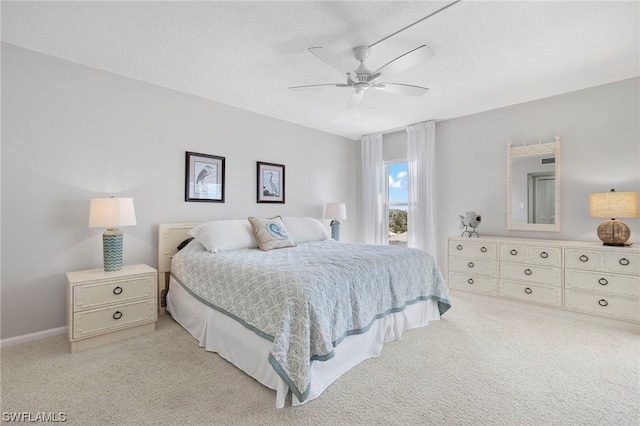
97,321
476,249
615,284
531,293
622,262
531,273
475,266
89,296
611,306
477,283
539,255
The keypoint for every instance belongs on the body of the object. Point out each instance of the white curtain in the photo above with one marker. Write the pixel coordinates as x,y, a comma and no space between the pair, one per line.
421,168
375,227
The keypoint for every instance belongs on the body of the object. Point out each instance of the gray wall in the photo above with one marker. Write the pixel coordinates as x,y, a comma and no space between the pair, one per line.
600,131
71,133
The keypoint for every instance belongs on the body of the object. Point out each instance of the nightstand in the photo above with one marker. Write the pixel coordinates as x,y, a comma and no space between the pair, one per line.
104,307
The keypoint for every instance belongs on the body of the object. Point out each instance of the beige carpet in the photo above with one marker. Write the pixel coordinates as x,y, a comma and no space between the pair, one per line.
480,365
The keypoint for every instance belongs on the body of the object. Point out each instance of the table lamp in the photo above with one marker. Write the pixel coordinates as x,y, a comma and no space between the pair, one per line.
335,211
111,213
613,205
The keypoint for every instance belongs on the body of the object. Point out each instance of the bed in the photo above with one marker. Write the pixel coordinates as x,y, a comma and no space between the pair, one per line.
297,316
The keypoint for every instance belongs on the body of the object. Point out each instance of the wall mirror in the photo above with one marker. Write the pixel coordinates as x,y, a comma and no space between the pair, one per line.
533,187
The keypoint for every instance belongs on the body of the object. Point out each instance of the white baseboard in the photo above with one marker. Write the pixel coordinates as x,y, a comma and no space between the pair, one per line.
32,336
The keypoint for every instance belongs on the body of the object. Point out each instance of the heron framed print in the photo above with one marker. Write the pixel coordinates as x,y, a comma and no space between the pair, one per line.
204,178
270,183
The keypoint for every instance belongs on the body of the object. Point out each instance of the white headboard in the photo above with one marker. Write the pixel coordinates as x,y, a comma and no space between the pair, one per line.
170,235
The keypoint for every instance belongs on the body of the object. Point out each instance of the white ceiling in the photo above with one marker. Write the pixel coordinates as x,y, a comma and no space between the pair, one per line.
246,54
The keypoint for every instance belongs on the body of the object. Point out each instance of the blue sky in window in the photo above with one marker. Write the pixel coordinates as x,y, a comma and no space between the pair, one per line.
398,192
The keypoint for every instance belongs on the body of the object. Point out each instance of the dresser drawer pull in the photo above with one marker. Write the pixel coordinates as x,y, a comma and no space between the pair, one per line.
117,315
584,258
470,280
624,261
470,265
459,247
603,281
117,290
528,271
528,290
544,255
602,302
513,252
483,249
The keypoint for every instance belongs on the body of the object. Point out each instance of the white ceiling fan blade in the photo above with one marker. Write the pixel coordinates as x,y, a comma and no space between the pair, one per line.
330,59
318,86
356,99
406,61
401,89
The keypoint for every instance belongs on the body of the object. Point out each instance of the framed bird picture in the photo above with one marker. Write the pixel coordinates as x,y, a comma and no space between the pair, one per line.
270,183
204,178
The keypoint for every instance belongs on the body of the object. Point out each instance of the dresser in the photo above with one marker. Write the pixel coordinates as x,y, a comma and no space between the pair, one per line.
104,307
575,276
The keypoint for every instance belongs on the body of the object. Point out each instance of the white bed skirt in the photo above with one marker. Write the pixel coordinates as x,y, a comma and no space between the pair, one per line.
219,333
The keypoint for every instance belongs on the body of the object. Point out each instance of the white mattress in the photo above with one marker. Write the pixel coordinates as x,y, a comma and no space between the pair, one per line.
219,333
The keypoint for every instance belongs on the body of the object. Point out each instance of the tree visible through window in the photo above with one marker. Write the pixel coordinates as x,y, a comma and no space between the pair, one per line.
398,196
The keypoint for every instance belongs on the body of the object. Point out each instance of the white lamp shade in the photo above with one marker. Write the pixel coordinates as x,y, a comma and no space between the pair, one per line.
613,204
336,211
111,212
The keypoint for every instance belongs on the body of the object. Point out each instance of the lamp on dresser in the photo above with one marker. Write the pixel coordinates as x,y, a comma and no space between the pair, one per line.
111,213
335,211
614,205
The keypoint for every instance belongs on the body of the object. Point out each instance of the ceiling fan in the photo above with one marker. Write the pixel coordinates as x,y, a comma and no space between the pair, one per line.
361,79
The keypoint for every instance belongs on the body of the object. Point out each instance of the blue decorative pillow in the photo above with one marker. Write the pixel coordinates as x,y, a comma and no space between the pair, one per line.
270,233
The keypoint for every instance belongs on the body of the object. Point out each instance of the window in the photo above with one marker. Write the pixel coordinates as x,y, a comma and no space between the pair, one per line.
397,202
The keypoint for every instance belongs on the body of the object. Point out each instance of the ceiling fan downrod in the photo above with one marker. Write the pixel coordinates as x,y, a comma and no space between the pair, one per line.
417,22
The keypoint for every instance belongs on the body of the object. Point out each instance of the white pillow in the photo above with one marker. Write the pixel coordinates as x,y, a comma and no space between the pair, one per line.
305,229
221,235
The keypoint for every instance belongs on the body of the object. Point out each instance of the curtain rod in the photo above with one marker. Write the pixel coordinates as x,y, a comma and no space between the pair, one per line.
398,129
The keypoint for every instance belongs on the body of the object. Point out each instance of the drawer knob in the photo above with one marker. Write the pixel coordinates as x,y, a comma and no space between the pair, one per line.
584,258
117,290
544,255
603,281
624,261
117,315
483,249
459,247
470,264
602,302
528,271
528,290
513,252
470,280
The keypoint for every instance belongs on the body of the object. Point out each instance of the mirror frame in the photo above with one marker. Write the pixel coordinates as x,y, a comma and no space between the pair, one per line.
526,151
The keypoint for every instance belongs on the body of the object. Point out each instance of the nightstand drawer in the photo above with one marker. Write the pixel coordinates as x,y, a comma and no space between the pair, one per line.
531,293
615,284
531,273
89,296
611,306
97,321
475,266
622,262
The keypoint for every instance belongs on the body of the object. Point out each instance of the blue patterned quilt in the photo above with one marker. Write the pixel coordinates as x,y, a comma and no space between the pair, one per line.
307,299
